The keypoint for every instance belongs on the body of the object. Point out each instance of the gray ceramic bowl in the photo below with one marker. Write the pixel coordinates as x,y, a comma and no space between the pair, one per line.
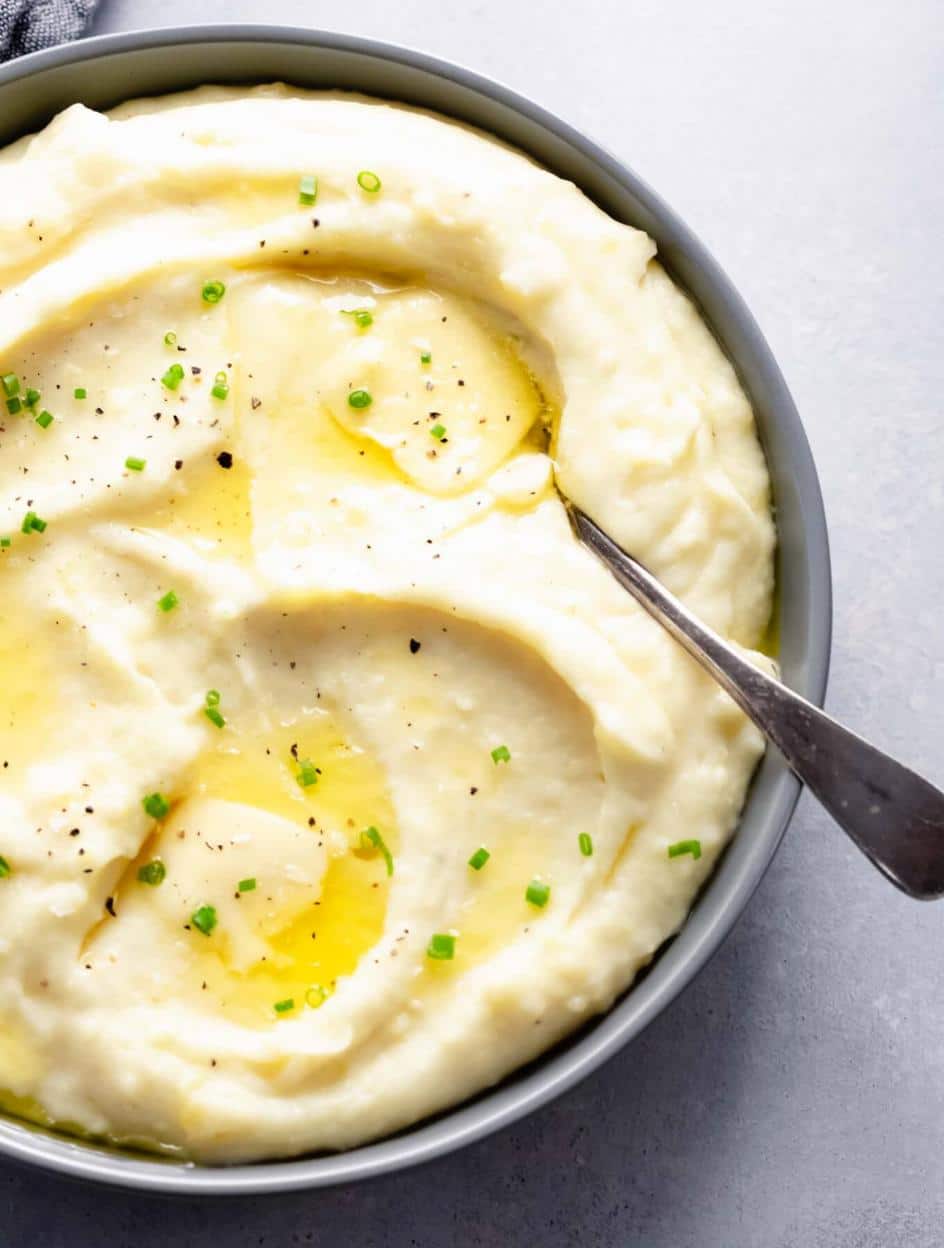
102,72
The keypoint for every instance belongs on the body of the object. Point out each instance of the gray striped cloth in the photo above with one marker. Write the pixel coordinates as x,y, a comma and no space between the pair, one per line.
28,25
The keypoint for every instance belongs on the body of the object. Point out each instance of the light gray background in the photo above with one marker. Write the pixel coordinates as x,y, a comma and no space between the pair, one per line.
794,1095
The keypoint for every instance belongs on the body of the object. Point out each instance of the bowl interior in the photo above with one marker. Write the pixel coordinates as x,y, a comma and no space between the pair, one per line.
105,71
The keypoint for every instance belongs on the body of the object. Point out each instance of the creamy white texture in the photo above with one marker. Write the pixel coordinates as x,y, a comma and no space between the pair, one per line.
381,600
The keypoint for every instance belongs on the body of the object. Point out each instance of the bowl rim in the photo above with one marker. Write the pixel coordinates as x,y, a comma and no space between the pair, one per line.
606,1035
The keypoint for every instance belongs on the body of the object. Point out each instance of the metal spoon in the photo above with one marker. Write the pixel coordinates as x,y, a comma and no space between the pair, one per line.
895,817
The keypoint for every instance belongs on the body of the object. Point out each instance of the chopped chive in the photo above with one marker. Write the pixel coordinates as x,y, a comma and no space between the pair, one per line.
585,841
363,317
371,839
685,847
479,858
156,805
538,893
44,419
152,873
6,541
283,1007
316,995
14,406
215,716
307,189
32,523
501,754
80,392
168,601
307,773
11,384
359,399
368,181
438,432
204,919
32,397
441,947
247,886
426,357
135,464
213,697
170,339
173,377
213,291
220,386
5,868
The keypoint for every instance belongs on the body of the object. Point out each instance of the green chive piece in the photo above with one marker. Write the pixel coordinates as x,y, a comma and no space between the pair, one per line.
11,384
44,419
5,868
213,697
14,406
32,523
156,805
501,754
168,601
173,377
307,773
438,432
316,995
220,390
426,357
135,464
307,189
479,858
152,873
371,839
215,716
585,841
283,1007
6,541
441,947
247,886
204,919
368,181
538,893
32,397
363,317
359,399
80,392
170,339
685,847
213,291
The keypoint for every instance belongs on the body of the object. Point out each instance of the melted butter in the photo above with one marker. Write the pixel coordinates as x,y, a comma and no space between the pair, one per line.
210,509
31,714
474,390
301,355
769,644
495,911
327,940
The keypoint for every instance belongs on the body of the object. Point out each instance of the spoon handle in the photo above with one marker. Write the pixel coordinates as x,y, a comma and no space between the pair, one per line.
894,816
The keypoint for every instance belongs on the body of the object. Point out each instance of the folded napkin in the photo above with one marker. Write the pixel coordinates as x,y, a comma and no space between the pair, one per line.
27,25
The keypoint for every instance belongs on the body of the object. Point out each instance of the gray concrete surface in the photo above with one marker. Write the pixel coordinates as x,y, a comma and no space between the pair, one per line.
794,1095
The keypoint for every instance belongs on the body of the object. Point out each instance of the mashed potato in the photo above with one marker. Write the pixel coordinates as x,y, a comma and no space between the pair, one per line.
337,779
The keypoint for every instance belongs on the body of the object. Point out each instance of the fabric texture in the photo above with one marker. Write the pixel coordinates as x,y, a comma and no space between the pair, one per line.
28,25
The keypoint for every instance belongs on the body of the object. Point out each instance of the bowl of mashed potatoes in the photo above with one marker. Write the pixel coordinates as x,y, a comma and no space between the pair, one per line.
344,794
